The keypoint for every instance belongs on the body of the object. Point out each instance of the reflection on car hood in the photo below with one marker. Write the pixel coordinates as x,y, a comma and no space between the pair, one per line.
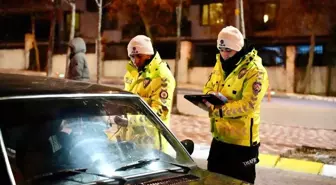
197,176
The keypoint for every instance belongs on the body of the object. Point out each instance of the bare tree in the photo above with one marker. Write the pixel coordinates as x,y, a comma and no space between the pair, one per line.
99,40
37,54
178,53
311,17
153,13
72,4
53,14
311,22
241,15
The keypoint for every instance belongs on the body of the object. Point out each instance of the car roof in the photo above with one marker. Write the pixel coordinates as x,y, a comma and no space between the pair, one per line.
21,85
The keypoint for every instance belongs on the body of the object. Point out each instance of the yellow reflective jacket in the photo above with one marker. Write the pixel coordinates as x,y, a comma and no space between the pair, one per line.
156,85
237,122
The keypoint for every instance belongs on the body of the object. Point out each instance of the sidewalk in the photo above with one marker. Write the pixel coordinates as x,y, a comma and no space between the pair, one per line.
194,87
276,140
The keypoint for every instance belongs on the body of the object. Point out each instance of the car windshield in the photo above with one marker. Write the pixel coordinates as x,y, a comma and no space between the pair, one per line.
98,134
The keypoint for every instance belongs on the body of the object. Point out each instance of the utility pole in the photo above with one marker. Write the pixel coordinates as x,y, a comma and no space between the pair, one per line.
242,20
237,13
239,16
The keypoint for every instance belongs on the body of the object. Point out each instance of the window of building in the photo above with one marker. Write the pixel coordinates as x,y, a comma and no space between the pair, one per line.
264,16
68,22
204,55
272,55
304,49
109,22
212,14
302,56
91,6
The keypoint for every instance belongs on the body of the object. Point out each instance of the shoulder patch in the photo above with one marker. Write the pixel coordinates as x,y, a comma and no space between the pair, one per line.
256,87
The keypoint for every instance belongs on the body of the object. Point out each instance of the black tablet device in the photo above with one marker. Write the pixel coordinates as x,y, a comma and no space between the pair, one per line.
198,98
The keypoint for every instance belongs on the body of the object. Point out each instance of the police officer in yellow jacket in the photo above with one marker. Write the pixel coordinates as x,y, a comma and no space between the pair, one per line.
150,77
239,78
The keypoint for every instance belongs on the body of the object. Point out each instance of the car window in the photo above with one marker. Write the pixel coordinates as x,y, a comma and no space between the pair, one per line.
100,134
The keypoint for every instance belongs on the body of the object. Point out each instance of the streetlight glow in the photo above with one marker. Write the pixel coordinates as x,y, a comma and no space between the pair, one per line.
265,18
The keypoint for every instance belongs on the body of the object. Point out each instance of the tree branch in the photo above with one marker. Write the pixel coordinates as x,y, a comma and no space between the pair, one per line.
98,4
68,1
107,4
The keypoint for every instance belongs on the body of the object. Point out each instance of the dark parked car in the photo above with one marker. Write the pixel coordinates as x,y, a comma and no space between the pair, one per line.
55,131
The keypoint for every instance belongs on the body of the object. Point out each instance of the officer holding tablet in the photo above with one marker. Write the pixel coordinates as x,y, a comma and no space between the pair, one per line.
239,79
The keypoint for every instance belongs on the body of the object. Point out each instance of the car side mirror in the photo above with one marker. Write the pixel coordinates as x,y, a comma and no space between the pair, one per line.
188,145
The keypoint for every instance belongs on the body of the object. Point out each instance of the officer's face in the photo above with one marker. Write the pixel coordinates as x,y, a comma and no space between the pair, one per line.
139,59
227,53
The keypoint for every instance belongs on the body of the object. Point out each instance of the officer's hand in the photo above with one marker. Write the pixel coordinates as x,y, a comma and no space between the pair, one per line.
221,97
121,121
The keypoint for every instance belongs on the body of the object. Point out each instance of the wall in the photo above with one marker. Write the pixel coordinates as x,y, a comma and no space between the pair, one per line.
199,75
80,5
317,85
278,78
117,68
12,59
111,68
58,66
88,26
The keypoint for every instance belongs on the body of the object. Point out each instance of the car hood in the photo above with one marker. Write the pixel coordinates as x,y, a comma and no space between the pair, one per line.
209,178
197,176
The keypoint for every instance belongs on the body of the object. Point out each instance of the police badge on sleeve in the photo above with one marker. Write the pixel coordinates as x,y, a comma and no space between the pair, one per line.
256,88
163,94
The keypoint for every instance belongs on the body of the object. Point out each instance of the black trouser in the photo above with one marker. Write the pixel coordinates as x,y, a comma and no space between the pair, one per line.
233,160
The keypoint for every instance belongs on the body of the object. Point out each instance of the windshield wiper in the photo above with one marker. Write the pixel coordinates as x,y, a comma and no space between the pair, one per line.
185,169
75,171
137,164
144,162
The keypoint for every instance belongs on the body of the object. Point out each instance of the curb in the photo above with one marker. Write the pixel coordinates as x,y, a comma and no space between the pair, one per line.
275,161
304,97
